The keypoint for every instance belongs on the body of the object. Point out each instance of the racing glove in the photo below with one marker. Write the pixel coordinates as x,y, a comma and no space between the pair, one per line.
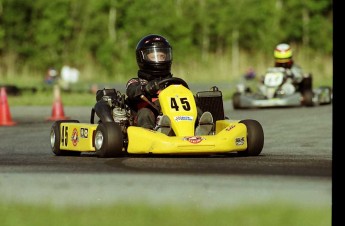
151,87
289,73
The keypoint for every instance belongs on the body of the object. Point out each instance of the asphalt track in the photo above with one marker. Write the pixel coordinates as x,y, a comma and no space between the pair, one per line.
295,166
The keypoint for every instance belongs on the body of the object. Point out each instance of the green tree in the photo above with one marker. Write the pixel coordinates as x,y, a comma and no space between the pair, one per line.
38,34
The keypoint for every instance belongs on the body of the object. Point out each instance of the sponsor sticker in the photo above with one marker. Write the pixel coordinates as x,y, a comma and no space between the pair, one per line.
75,137
230,128
183,118
239,141
84,132
194,139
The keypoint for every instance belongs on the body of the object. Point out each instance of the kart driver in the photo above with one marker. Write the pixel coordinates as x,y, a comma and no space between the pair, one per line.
283,58
154,58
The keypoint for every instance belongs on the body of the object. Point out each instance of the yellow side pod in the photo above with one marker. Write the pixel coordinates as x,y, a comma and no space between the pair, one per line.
231,138
77,136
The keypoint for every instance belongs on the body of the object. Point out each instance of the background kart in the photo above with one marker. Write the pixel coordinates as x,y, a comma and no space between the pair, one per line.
278,90
120,136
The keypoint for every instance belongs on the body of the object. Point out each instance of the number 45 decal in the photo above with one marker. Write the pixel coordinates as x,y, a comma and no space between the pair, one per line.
184,102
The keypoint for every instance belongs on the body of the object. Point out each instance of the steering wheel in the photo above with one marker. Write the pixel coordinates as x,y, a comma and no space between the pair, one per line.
170,81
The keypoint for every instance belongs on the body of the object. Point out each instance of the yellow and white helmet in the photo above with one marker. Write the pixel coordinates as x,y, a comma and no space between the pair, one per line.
283,53
283,56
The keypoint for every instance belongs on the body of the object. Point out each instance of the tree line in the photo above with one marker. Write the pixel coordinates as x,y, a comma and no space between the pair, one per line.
104,33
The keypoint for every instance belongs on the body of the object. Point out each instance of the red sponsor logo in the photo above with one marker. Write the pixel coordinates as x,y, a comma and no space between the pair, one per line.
194,139
75,137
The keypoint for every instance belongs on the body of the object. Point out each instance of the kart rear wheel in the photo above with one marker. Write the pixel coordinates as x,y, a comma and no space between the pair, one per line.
255,138
236,100
325,95
108,140
55,138
308,96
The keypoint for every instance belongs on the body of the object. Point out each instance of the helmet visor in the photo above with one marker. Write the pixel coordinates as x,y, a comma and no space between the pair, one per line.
283,60
157,55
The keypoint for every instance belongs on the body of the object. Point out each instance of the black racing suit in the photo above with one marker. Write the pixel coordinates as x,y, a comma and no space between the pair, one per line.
145,114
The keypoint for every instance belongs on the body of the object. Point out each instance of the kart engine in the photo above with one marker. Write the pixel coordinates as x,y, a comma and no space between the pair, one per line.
120,112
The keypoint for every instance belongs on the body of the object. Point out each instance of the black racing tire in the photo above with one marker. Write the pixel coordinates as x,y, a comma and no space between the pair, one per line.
308,96
330,95
255,138
306,83
108,140
55,139
236,100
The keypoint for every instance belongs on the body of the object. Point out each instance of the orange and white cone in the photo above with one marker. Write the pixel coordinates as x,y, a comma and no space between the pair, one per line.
5,115
57,110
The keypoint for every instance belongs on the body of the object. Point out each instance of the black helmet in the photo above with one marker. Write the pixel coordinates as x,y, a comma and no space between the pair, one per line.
154,57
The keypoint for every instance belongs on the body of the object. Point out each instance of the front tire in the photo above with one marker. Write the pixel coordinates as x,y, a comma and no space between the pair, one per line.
55,138
108,140
255,138
236,100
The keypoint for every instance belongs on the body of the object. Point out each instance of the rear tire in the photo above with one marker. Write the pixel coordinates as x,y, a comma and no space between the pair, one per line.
55,139
255,138
326,95
108,140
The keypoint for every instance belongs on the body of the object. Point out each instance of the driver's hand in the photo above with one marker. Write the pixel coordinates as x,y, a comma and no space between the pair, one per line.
289,73
152,87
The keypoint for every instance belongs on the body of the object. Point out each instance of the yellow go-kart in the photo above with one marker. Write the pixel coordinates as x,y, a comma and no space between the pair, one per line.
117,134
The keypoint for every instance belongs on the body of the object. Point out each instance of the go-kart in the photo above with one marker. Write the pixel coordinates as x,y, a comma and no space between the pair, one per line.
120,136
277,89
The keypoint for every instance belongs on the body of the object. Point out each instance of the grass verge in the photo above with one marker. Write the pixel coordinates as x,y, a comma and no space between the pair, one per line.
269,214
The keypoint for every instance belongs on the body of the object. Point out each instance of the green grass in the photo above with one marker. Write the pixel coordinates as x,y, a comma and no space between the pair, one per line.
46,98
269,214
80,95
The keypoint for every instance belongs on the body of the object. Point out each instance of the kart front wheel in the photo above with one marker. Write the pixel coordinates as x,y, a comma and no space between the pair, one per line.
255,138
236,100
55,138
108,140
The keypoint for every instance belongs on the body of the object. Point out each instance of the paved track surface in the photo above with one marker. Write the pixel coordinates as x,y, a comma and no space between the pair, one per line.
294,166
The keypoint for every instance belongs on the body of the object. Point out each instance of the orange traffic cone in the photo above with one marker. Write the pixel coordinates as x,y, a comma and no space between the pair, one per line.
57,111
5,115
